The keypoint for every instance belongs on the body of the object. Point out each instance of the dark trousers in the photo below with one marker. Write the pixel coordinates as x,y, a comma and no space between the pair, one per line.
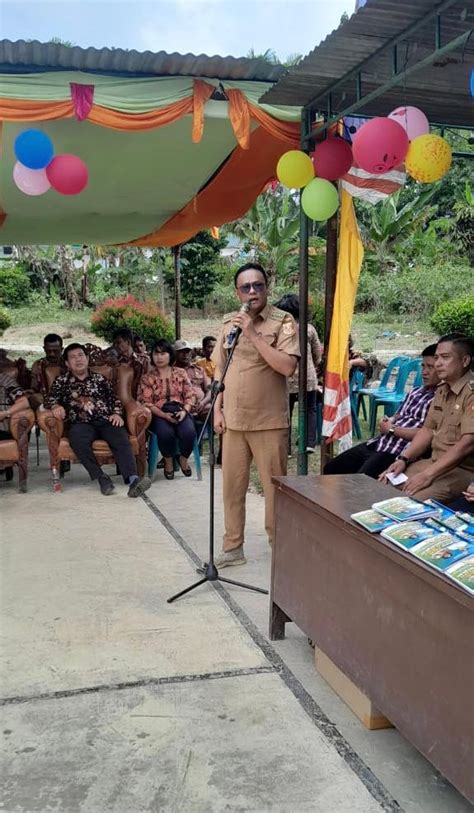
311,398
461,504
81,437
361,459
168,434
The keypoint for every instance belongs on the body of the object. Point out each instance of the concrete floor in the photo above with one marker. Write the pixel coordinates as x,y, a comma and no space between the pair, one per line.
116,701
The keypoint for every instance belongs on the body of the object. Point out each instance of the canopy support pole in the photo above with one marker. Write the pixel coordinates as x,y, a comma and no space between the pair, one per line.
177,291
330,287
302,466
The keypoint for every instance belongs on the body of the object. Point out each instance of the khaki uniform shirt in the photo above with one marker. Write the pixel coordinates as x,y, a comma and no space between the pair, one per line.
451,415
256,396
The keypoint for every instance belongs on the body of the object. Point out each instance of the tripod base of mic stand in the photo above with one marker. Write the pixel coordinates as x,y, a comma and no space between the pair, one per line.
211,574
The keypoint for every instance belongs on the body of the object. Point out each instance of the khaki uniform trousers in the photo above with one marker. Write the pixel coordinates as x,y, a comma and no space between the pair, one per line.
446,488
269,449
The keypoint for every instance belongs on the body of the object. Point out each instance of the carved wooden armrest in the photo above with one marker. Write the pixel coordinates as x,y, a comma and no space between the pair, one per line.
21,423
137,417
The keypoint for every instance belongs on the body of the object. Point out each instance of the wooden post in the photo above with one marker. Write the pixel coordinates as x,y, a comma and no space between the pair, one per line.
302,467
177,291
330,287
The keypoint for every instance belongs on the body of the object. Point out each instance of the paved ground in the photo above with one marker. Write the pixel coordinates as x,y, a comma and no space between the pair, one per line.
116,701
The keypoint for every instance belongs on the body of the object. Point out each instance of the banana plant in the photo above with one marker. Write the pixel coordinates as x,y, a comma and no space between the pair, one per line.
270,232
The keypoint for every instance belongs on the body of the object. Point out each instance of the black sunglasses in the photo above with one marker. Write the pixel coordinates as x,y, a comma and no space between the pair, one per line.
258,287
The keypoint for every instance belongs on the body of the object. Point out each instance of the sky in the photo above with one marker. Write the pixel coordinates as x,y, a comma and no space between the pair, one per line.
197,26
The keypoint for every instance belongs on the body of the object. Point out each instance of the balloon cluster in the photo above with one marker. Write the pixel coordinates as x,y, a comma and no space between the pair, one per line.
380,145
37,168
295,169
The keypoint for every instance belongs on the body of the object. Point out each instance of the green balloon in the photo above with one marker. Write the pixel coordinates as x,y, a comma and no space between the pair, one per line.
319,199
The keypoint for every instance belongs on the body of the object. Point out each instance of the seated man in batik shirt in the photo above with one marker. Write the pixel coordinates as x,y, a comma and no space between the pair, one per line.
88,402
12,400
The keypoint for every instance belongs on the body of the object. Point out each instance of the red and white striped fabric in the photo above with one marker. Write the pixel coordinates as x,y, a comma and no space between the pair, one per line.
373,188
337,421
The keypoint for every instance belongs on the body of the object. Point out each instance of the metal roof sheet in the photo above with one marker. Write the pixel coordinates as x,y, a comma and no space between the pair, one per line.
26,57
441,90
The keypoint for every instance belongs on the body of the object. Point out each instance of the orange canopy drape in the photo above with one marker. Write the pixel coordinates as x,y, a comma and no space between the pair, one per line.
229,194
240,113
29,110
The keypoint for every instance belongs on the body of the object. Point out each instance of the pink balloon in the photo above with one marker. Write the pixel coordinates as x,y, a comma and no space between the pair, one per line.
380,145
67,174
412,119
332,159
30,181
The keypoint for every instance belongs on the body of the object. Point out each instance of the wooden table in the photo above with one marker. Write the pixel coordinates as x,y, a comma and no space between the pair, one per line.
401,632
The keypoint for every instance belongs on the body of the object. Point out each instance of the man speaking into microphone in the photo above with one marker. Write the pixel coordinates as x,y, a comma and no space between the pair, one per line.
252,412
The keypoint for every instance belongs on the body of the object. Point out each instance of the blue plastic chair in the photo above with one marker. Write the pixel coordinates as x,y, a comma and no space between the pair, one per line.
153,456
391,373
408,370
391,400
356,384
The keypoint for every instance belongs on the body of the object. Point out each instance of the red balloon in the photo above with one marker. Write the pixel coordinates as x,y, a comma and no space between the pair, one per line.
332,159
380,145
67,174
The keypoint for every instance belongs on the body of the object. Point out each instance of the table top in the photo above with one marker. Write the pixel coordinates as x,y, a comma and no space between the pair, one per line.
337,496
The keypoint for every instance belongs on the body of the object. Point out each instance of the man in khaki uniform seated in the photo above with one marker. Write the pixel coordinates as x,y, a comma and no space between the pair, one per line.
253,410
448,429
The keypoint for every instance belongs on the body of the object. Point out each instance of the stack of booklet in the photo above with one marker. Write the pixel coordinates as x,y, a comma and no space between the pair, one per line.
441,538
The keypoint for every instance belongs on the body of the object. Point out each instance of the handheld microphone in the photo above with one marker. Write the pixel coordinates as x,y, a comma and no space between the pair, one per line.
234,334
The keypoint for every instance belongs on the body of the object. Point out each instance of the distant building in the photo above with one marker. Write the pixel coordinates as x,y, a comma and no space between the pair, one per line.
233,249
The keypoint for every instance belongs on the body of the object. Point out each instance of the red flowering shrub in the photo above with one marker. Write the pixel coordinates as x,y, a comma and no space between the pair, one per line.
145,319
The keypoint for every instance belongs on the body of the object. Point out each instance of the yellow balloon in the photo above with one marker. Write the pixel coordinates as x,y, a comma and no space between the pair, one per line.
428,158
295,169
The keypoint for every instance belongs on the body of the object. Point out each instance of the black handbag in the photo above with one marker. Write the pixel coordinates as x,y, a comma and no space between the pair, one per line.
172,407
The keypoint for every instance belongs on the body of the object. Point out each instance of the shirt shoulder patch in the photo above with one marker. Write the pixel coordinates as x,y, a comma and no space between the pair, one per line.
277,314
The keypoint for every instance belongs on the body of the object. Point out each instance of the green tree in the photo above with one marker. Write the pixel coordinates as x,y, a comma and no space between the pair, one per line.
200,269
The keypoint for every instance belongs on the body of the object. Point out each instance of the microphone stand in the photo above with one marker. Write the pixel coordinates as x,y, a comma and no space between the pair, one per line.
211,574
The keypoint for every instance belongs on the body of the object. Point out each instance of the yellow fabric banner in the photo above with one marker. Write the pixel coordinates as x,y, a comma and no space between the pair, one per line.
337,424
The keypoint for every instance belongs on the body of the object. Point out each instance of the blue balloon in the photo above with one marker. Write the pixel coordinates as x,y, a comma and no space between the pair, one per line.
34,149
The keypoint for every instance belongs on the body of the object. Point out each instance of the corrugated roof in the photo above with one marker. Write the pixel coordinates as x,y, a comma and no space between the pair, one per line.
25,57
442,89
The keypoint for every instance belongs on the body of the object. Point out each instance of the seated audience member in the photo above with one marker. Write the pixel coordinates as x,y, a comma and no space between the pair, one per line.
123,345
206,363
12,400
373,457
167,392
88,402
290,304
200,383
139,348
448,429
53,348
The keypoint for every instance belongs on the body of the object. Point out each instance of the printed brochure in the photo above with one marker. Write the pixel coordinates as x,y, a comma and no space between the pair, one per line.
463,573
402,509
371,520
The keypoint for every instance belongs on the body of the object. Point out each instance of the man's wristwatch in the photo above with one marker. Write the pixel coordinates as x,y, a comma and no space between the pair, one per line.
404,458
391,431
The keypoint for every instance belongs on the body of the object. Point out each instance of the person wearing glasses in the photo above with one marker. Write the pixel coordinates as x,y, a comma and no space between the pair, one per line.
252,413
